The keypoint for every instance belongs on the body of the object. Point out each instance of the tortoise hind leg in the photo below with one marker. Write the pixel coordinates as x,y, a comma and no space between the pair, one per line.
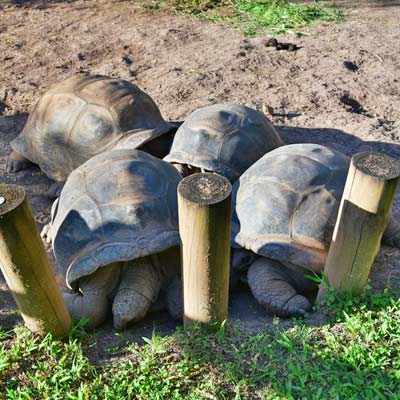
139,288
276,287
17,162
93,300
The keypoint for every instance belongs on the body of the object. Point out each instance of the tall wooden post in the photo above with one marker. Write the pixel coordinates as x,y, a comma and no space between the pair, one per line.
204,203
26,267
364,213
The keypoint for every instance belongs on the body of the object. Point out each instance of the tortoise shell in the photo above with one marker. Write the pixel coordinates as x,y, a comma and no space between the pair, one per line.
223,138
118,206
286,204
84,116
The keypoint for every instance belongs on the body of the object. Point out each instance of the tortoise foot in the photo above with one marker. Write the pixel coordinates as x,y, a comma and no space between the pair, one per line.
274,287
92,302
92,308
16,162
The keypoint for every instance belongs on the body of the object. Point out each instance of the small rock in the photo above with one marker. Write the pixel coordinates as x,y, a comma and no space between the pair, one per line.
272,42
133,73
128,61
287,46
268,110
351,66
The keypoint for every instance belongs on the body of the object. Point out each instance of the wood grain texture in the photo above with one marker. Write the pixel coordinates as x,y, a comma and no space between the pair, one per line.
204,203
364,213
26,268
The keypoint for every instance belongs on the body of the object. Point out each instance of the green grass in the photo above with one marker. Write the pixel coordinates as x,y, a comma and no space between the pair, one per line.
355,355
254,16
282,16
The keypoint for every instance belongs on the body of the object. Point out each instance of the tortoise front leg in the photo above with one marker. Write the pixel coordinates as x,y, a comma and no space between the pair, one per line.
17,162
139,288
275,287
93,300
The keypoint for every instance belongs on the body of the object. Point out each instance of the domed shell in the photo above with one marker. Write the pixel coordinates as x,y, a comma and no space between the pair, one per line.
223,138
118,206
84,116
286,204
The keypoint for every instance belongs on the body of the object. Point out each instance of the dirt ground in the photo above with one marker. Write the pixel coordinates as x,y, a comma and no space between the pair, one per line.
341,88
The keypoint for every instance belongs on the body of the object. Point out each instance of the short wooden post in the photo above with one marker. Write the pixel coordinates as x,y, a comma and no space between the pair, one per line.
26,267
364,213
204,203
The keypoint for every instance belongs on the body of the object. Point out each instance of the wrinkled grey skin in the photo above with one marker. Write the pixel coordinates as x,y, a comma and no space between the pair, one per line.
83,116
149,283
114,232
285,208
127,290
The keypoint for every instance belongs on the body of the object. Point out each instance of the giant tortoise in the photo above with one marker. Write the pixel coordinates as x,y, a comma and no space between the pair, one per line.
285,208
115,235
222,138
82,117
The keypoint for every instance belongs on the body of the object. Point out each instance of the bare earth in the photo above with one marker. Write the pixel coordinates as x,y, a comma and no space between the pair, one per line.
183,63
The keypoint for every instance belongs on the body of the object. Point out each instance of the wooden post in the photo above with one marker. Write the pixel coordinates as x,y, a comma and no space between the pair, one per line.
26,267
364,213
204,203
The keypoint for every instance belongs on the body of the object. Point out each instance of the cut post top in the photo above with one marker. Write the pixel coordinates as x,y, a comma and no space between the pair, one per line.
376,165
11,196
205,188
370,176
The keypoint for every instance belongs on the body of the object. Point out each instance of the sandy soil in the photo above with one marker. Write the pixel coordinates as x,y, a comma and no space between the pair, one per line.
342,88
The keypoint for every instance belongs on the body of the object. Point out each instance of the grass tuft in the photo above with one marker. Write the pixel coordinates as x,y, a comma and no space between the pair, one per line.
282,16
254,16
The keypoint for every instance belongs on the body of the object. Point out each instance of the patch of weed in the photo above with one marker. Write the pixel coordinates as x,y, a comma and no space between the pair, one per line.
282,16
254,16
355,355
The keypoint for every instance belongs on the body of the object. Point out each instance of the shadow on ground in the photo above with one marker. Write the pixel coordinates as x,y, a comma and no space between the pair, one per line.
336,139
